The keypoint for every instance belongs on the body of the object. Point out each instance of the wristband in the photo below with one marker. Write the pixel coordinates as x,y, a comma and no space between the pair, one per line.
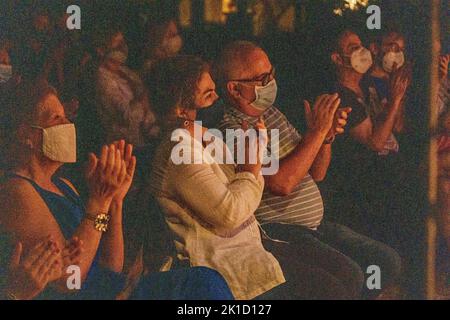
100,220
329,140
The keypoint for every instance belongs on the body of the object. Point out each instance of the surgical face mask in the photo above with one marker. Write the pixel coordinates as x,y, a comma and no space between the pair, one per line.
59,143
5,73
393,57
361,60
265,96
172,45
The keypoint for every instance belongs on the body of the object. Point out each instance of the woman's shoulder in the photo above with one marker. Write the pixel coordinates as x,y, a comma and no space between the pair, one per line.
18,195
13,186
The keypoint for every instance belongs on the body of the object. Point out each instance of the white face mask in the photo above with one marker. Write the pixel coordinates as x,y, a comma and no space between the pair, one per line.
5,73
393,57
59,143
265,96
172,45
361,60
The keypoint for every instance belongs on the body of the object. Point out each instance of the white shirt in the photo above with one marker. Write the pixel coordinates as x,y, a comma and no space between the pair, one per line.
210,212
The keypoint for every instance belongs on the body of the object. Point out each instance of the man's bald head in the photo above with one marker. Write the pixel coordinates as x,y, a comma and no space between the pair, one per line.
240,60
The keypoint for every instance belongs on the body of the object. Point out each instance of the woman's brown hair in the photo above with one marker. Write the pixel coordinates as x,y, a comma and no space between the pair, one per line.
18,108
173,82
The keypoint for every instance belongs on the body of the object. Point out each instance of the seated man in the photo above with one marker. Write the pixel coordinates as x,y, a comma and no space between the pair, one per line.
291,208
389,55
375,180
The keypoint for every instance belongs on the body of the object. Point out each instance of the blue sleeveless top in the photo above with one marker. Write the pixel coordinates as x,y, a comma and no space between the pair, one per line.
68,211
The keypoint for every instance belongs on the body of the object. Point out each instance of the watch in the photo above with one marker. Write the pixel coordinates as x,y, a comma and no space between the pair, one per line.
329,140
101,221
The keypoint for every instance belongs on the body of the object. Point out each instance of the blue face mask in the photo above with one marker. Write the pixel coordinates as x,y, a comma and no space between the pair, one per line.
5,73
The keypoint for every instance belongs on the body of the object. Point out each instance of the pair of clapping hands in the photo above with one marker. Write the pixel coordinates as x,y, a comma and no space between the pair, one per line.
325,117
30,272
110,175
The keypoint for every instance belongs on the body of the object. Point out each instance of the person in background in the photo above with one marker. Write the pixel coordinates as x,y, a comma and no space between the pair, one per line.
8,74
6,71
163,41
444,87
292,208
389,52
444,149
367,143
33,53
123,109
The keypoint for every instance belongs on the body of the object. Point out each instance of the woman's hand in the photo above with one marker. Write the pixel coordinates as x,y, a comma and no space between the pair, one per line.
399,83
126,152
252,150
29,275
70,255
105,176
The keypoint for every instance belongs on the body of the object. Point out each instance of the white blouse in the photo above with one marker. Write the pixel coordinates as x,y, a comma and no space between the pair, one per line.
210,212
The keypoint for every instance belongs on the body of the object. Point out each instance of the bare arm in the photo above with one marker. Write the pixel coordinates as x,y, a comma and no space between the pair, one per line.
112,248
112,245
375,135
22,203
320,165
296,165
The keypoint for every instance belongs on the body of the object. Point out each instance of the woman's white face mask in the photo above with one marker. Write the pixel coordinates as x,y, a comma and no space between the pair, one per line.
393,57
59,143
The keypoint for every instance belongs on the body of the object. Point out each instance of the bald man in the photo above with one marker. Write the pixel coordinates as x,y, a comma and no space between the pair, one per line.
292,209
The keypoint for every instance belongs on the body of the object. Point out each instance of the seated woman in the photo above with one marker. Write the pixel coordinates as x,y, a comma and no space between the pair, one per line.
209,205
38,140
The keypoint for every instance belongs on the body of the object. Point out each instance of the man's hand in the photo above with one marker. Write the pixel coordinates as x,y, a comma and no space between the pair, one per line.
340,121
400,81
321,117
443,66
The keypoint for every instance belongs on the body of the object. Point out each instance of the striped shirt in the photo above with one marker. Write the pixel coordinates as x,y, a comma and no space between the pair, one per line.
304,205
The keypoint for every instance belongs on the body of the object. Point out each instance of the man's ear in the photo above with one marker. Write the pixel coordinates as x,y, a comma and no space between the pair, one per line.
336,58
233,89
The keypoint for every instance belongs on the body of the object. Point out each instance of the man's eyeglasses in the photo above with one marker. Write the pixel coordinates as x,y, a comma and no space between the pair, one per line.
264,78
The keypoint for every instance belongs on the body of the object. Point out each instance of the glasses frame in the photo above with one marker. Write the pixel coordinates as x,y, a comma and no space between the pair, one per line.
266,78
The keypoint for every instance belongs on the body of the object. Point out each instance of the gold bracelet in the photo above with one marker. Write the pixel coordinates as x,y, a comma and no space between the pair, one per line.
101,221
329,140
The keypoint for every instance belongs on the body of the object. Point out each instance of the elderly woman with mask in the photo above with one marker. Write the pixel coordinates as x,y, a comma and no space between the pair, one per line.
38,140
